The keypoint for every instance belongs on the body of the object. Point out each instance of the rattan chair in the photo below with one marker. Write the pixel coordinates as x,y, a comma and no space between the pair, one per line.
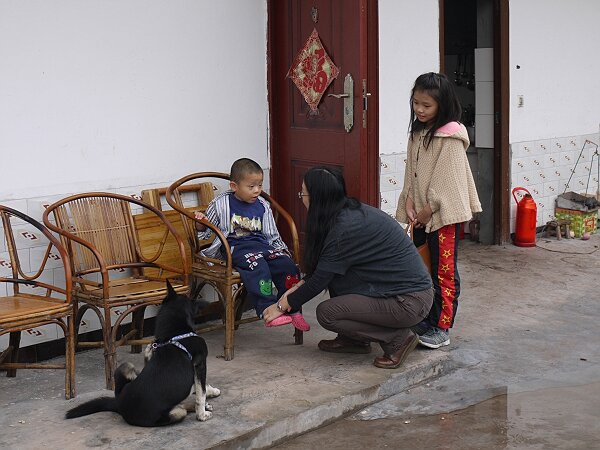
110,267
28,301
220,273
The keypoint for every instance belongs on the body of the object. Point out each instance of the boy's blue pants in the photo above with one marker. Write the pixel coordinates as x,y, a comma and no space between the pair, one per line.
260,266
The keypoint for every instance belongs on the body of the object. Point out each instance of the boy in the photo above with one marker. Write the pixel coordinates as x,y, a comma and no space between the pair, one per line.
258,252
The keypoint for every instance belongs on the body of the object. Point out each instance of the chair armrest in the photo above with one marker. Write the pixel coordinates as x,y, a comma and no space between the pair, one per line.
289,221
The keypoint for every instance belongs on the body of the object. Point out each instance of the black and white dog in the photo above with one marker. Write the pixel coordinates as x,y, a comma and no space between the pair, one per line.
175,366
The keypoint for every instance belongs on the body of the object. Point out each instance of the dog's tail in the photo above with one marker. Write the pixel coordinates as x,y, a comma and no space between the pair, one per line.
93,406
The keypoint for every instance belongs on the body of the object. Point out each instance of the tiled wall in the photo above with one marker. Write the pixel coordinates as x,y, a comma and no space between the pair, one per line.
391,179
542,167
32,245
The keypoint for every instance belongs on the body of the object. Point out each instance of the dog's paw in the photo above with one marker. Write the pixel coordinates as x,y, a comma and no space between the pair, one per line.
212,392
208,407
128,371
203,416
148,353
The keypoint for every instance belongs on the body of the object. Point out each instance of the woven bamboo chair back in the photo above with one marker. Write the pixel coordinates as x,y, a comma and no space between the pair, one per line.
104,222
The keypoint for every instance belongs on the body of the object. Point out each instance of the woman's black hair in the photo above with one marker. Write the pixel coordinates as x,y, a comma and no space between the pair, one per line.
438,86
327,197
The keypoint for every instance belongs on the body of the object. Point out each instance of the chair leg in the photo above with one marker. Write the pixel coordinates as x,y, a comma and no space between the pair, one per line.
137,321
239,307
229,324
14,341
298,335
69,357
110,359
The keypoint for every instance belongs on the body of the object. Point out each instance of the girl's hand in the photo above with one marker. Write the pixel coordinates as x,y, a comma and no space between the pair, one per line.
411,212
423,217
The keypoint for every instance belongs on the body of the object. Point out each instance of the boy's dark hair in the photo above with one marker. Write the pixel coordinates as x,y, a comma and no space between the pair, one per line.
438,86
243,167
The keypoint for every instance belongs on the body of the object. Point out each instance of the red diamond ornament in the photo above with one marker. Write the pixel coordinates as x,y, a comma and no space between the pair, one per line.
313,70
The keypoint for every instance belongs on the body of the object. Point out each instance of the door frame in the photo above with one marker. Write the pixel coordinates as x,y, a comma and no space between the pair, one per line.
369,70
502,115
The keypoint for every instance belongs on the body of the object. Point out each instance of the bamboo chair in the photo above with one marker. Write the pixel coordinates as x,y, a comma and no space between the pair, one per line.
220,273
30,302
110,268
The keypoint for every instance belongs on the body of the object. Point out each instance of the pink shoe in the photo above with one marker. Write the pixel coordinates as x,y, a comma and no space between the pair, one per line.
281,320
299,322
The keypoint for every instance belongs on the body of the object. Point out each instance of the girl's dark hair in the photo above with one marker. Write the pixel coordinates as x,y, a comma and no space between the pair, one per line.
327,197
438,86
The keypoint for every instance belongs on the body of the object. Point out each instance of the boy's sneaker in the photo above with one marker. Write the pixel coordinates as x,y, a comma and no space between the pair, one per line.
421,328
435,338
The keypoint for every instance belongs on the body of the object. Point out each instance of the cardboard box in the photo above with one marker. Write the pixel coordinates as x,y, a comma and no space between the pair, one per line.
581,221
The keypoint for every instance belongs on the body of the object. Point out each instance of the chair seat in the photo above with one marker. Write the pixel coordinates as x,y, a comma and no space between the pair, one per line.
215,271
29,308
131,290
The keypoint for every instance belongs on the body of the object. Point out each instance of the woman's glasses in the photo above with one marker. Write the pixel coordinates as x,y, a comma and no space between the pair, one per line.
302,194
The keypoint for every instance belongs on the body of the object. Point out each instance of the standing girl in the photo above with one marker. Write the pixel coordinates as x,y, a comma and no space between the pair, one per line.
438,194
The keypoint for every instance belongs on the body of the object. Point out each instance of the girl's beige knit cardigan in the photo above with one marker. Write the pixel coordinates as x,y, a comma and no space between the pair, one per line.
441,176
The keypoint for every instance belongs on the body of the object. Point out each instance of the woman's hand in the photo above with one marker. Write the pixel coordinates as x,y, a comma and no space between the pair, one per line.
271,313
411,212
423,217
276,310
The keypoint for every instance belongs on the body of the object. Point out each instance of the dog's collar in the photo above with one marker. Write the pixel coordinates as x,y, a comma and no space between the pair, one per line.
175,341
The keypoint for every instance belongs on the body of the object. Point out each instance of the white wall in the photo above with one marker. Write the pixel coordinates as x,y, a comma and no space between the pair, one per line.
102,94
408,47
556,44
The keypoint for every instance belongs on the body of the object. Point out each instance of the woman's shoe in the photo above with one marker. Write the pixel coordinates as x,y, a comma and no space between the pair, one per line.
343,345
299,322
284,319
397,358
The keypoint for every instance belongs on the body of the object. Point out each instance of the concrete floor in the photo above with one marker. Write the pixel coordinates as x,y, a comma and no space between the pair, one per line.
525,331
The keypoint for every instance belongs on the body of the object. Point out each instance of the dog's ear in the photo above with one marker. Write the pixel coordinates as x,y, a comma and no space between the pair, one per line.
171,294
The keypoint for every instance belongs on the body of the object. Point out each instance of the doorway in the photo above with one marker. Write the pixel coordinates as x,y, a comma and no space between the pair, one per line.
474,55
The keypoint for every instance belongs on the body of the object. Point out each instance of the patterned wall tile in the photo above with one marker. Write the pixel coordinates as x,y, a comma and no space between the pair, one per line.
115,313
47,276
6,265
390,182
37,254
389,200
27,236
33,336
89,322
387,164
37,206
19,205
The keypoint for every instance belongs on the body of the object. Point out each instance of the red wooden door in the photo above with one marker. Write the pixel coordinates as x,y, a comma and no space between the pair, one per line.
302,138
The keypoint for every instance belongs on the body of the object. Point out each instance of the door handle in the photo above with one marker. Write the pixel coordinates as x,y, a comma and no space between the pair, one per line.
348,97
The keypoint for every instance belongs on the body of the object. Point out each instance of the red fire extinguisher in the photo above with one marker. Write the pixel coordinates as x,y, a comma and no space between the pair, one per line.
526,219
